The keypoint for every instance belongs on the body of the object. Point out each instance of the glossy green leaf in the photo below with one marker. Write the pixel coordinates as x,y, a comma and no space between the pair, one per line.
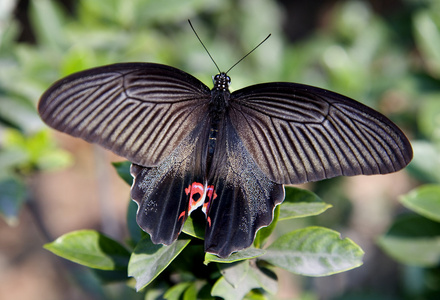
194,228
253,278
248,253
413,240
234,273
425,201
123,170
92,249
301,203
149,260
265,232
314,251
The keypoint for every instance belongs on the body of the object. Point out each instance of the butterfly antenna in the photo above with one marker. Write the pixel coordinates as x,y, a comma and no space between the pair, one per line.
248,53
203,45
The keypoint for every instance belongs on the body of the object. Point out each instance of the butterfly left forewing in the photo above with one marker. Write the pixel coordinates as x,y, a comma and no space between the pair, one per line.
140,111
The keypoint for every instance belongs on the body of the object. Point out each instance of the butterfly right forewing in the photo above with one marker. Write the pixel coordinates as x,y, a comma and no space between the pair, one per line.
141,111
298,133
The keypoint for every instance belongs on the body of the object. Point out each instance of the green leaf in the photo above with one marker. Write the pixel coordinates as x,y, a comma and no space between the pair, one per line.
426,161
91,249
248,253
423,252
424,200
176,291
413,240
414,226
123,170
251,278
12,196
301,203
234,273
314,251
149,260
136,233
191,292
194,228
265,232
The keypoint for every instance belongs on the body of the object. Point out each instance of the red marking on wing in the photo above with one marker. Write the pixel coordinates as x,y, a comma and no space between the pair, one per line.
196,188
204,199
211,195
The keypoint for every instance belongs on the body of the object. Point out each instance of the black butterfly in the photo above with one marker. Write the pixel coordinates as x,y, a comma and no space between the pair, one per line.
229,153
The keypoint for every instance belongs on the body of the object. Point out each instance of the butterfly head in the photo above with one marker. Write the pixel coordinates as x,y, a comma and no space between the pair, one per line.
221,81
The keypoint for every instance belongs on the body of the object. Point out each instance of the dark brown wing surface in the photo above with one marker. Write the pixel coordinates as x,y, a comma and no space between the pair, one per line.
141,111
298,133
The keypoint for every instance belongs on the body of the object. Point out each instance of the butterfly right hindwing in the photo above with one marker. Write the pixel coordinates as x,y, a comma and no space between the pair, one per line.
244,200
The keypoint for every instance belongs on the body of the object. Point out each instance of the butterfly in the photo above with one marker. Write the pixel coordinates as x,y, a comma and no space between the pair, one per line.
228,154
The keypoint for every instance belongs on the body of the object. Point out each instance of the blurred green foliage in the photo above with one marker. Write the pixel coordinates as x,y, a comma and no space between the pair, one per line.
389,61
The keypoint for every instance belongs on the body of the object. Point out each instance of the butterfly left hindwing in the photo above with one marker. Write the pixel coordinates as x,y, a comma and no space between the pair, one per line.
164,193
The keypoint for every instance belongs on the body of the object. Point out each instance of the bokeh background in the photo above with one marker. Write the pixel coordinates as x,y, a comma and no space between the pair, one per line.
384,53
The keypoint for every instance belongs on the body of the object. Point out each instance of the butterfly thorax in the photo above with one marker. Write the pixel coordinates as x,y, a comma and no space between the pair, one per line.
219,96
217,108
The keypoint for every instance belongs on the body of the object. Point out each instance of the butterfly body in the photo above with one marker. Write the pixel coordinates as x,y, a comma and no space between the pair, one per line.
228,154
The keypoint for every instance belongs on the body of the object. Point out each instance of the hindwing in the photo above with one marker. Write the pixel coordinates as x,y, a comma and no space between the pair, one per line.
164,192
245,196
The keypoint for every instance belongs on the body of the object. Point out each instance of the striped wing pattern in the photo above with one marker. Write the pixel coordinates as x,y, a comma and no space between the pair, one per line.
141,111
158,117
298,133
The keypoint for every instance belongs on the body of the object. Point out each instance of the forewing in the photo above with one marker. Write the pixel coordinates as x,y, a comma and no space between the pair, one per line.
140,111
163,192
297,133
244,197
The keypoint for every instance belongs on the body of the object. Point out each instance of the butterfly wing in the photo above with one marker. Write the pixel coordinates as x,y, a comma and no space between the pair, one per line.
298,133
163,192
244,197
140,111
